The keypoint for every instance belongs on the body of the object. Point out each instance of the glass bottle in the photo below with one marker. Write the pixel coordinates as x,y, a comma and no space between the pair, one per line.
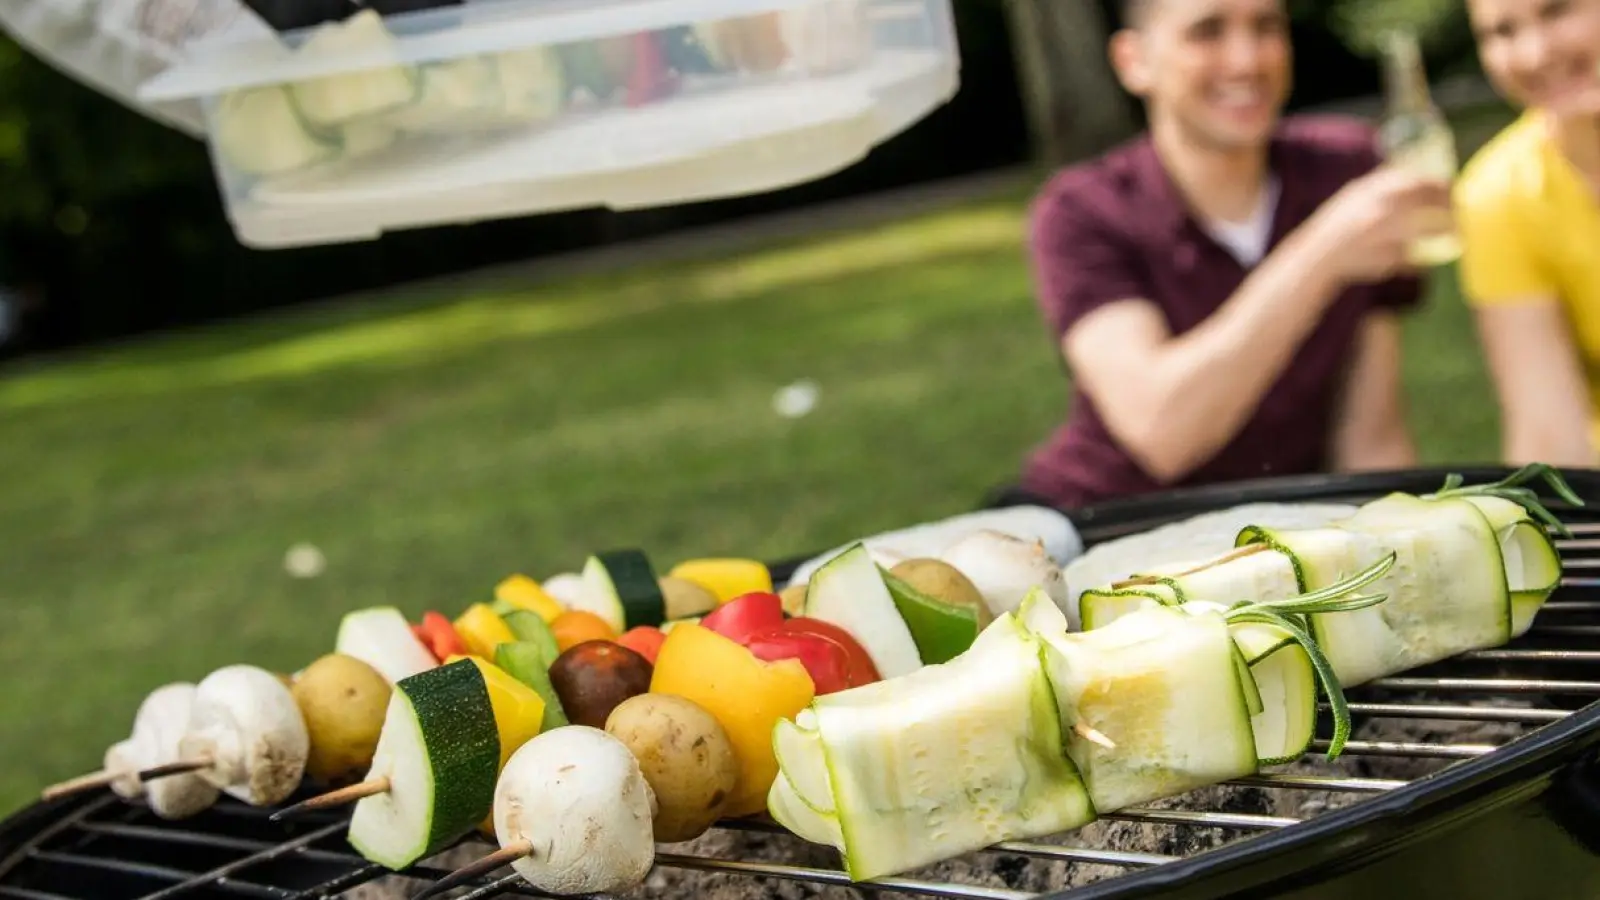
1413,133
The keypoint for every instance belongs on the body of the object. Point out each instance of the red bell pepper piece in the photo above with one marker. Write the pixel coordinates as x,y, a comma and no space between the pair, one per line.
645,640
746,615
439,636
862,671
824,660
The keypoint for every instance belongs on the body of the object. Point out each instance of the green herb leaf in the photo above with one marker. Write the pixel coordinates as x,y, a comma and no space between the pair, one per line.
1511,488
1319,663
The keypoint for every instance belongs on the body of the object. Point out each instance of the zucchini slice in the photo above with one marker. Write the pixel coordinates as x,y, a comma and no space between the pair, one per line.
1100,607
330,101
1165,686
848,591
440,750
1268,575
382,638
946,760
259,133
620,586
1360,644
798,749
1533,565
1286,683
790,811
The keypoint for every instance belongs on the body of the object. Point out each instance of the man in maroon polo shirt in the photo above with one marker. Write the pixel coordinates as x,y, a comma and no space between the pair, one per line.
1225,288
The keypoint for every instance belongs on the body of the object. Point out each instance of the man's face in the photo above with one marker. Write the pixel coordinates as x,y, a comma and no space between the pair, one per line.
1541,53
1220,70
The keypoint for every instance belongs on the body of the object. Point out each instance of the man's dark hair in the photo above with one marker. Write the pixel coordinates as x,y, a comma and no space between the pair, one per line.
1132,12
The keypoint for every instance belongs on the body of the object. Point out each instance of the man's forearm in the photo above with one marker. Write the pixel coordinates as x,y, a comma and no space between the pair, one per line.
1205,384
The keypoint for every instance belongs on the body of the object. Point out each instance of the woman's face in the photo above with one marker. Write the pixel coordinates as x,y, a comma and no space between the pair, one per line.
1541,53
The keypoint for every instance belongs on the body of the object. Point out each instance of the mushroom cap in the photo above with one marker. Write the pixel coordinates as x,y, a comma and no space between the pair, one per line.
578,796
246,720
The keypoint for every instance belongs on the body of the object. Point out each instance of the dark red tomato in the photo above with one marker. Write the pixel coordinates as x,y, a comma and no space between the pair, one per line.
862,671
824,660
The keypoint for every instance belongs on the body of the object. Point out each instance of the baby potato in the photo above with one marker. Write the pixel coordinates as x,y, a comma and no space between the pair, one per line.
685,756
343,701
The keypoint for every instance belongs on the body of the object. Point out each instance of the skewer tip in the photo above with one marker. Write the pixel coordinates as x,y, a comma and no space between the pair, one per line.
338,797
80,784
1093,736
508,854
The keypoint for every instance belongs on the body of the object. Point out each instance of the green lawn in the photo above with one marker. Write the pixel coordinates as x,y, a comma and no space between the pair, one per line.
434,445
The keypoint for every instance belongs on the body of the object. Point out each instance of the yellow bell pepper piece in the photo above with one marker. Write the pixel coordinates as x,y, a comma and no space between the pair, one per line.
482,630
518,713
746,695
525,593
726,578
518,709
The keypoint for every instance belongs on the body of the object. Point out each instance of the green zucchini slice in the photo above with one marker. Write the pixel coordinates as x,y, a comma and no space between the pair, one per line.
620,586
440,750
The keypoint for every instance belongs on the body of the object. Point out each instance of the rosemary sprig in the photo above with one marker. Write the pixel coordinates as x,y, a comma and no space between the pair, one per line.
1337,589
1511,488
1319,664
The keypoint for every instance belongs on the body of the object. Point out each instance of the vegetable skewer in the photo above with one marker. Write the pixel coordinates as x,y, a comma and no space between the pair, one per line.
1473,569
238,732
960,755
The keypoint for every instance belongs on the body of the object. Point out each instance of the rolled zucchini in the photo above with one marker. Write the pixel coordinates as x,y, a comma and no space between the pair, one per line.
946,760
1165,685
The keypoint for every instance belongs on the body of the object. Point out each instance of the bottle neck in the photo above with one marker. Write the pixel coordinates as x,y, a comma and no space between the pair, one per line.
1405,78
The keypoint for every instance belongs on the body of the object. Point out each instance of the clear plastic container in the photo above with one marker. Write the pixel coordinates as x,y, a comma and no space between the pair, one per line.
499,108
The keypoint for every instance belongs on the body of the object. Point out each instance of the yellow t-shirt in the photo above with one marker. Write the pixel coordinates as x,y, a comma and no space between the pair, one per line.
1530,226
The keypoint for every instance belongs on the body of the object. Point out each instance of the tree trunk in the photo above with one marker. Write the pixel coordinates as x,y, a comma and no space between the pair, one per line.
1074,103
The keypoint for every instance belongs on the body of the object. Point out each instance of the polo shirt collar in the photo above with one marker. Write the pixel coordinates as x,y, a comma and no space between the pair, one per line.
1169,212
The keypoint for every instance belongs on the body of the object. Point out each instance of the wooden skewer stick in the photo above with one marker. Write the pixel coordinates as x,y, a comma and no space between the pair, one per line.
339,797
89,782
510,853
180,767
1090,734
1226,558
105,777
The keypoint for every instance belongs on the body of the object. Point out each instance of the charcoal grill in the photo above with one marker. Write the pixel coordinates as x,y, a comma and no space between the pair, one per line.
1512,817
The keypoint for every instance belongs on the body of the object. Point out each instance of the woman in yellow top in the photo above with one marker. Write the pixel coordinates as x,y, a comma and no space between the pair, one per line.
1528,210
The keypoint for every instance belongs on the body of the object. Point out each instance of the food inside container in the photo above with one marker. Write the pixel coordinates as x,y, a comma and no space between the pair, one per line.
502,107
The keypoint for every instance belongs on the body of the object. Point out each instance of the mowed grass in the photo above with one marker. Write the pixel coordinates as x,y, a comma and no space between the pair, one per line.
430,445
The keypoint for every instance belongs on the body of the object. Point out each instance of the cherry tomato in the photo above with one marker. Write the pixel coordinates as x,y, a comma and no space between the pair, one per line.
576,626
644,640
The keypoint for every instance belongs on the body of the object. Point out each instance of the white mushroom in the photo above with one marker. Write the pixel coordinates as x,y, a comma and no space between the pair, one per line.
158,727
576,798
1005,568
564,588
246,722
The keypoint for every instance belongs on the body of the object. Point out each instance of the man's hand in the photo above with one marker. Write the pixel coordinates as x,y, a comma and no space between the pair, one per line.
1363,232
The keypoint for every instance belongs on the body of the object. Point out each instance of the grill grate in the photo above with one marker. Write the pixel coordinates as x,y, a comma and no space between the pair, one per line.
101,847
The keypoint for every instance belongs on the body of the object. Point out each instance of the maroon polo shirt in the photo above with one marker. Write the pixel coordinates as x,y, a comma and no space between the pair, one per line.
1117,228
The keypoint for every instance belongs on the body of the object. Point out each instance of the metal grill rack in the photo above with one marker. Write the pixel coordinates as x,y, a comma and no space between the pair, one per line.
100,847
